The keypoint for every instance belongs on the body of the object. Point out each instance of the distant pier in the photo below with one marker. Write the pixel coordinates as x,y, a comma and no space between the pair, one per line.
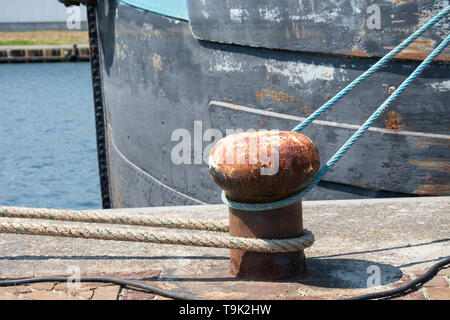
44,53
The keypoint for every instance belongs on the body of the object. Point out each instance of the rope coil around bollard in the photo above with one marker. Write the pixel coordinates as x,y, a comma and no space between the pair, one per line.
143,234
362,129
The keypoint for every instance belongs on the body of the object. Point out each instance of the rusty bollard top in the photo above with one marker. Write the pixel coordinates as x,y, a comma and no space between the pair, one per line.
263,166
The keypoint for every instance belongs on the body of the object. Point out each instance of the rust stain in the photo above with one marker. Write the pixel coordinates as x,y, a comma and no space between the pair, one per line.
388,131
419,50
277,96
259,95
433,189
295,30
119,197
426,144
403,1
393,121
303,31
434,165
261,123
157,62
236,107
117,192
421,56
237,163
422,144
391,90
357,52
422,44
306,108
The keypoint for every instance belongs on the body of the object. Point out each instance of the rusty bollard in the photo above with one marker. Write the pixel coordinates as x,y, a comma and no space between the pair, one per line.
259,167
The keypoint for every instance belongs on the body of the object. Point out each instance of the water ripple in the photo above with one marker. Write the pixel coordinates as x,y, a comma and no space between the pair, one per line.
48,155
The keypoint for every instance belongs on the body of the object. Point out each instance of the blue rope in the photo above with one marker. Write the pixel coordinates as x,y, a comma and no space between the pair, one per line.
372,70
338,155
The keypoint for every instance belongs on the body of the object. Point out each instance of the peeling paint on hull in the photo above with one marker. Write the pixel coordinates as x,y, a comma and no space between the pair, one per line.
169,79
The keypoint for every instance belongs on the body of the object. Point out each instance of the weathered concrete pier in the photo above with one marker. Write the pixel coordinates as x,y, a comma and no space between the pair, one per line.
44,53
359,243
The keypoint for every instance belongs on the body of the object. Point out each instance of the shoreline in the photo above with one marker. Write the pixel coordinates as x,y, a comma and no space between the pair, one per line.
44,53
44,46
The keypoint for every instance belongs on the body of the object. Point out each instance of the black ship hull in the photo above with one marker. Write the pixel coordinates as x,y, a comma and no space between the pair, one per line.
170,88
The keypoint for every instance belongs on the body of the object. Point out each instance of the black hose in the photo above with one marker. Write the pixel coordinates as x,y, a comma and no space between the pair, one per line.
410,287
119,281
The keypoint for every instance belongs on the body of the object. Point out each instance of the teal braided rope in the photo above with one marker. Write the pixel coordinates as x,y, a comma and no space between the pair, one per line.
338,155
371,70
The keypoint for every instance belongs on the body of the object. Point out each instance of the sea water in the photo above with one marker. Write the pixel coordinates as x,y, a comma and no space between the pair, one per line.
48,155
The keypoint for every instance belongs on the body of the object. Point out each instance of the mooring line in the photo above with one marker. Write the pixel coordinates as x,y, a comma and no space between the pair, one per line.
106,216
146,235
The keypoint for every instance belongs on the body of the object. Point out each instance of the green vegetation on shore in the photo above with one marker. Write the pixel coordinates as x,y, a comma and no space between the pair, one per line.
20,42
14,38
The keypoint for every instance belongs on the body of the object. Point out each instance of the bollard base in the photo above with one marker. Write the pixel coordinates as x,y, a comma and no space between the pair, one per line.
279,223
266,266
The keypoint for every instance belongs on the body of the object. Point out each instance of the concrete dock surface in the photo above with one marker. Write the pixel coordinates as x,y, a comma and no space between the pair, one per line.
380,243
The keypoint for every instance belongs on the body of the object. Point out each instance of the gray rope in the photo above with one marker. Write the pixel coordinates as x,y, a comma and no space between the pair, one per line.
146,235
103,216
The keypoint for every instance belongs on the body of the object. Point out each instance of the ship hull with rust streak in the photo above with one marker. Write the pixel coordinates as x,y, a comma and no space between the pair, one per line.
171,87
